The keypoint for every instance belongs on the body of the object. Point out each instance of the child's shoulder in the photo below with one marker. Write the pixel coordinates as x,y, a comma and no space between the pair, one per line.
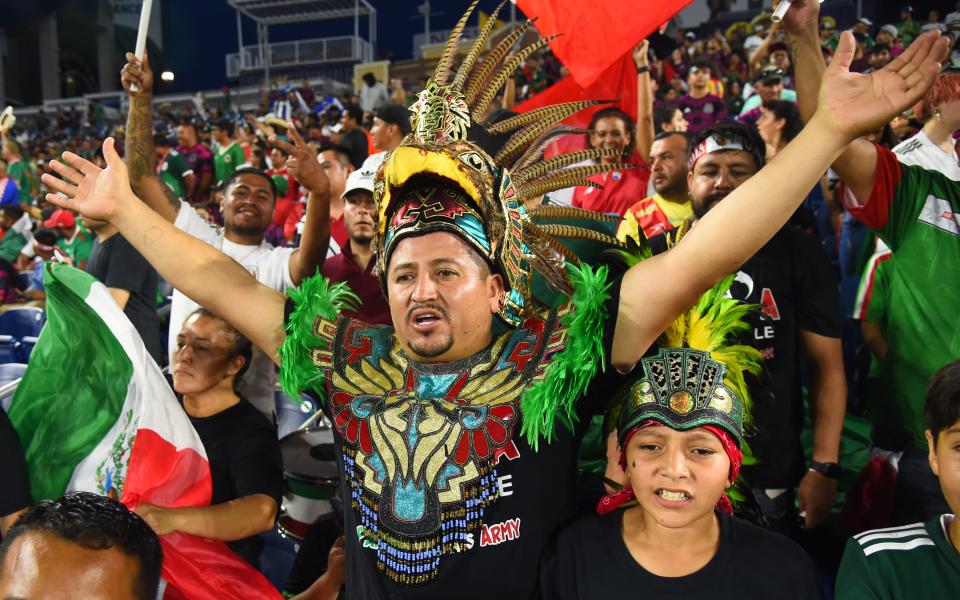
747,538
590,528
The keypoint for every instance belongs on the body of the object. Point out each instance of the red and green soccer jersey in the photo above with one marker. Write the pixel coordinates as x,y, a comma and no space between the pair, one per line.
915,212
900,563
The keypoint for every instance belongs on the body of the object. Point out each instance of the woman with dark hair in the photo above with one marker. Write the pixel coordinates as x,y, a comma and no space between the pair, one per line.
779,123
241,445
668,118
613,129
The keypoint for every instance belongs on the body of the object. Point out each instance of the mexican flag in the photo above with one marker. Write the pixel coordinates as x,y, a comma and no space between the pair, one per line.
94,413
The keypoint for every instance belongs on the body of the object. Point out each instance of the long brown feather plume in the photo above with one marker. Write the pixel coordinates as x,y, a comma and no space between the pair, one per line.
490,62
490,89
533,233
553,211
579,233
531,193
445,62
553,113
540,169
567,178
477,48
535,152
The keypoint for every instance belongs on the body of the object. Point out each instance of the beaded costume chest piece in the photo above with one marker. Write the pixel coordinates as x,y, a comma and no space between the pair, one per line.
421,440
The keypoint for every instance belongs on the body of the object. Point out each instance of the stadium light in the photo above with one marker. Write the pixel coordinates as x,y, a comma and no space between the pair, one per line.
167,76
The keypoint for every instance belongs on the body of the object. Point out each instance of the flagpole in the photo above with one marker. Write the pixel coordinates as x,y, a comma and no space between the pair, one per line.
141,46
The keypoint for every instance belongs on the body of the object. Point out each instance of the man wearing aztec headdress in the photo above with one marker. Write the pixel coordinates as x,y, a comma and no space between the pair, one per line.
458,426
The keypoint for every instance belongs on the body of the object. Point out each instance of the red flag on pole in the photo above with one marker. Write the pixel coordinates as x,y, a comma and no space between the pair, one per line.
596,48
598,33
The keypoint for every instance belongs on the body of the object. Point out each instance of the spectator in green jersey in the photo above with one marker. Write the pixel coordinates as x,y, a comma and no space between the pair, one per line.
229,155
915,212
921,560
171,166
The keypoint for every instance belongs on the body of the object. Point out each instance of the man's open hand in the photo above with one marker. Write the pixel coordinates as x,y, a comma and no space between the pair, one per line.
854,104
302,162
89,190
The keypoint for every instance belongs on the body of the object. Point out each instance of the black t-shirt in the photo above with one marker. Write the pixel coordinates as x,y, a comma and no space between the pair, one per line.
116,264
244,459
16,482
792,280
590,560
356,143
537,496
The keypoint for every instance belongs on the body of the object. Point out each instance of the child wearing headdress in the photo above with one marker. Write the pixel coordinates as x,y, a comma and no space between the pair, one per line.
680,435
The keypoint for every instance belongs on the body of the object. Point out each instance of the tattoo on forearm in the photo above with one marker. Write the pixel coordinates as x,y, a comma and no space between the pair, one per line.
139,141
171,197
152,235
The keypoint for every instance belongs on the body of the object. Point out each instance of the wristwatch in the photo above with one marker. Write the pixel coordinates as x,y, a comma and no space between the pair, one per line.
831,470
643,69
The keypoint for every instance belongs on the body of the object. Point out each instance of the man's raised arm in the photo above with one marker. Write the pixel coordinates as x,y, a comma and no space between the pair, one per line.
302,163
209,277
858,163
139,139
645,129
655,291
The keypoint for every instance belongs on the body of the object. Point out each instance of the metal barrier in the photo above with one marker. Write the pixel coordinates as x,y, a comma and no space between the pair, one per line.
346,48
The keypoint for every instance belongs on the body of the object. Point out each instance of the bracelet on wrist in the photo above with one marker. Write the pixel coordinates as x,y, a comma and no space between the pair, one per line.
643,69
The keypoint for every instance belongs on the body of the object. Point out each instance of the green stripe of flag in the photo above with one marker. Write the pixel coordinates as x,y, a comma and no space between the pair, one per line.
74,388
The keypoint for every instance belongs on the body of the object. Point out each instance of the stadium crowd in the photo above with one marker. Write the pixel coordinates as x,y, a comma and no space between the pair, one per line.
856,414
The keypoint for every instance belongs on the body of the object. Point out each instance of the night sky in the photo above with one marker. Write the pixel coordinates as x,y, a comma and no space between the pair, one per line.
204,31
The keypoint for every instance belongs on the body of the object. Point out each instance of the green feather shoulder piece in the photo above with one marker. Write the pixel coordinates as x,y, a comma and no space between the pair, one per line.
569,375
315,298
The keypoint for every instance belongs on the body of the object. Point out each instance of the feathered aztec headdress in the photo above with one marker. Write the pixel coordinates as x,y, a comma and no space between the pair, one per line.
696,379
462,171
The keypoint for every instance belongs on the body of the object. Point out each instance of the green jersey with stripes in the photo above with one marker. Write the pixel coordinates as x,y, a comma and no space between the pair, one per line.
915,212
915,562
227,160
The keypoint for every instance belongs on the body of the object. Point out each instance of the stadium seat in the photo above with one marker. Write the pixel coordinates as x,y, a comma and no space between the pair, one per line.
276,560
8,349
10,372
25,347
22,321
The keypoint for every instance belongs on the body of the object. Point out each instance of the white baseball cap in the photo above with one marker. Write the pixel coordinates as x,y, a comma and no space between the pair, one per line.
359,180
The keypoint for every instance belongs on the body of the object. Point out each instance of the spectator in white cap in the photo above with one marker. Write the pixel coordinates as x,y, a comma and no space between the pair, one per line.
354,265
887,35
863,26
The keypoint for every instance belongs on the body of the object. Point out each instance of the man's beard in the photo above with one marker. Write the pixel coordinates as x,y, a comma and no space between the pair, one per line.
700,209
671,188
362,240
435,346
431,349
246,230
